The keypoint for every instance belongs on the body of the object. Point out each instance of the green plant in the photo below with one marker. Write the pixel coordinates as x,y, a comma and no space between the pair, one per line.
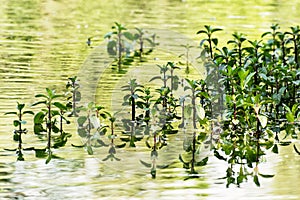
154,145
73,86
112,136
211,40
18,123
141,37
90,128
62,139
187,57
47,115
118,46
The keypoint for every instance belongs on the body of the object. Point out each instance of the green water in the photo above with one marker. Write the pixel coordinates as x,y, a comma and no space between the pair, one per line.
43,43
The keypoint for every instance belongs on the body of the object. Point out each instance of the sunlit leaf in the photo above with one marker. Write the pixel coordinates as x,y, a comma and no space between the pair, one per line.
201,112
39,118
290,117
263,120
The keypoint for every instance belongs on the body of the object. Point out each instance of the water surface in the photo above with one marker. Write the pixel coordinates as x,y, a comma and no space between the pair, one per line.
43,43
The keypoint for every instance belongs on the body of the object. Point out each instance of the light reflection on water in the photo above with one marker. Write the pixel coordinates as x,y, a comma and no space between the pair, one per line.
43,43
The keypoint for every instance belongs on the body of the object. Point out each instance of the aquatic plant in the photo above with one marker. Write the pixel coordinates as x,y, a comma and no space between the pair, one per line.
89,126
47,116
73,86
157,143
112,136
18,123
186,55
208,31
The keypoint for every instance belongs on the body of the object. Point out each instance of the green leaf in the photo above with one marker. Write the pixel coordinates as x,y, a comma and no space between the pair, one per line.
49,157
201,31
38,128
50,92
202,162
217,155
263,120
57,96
112,150
290,117
285,143
128,35
60,106
215,41
11,113
215,30
28,112
81,120
275,148
266,175
201,112
146,164
297,151
39,118
16,123
39,102
256,181
16,137
181,160
249,77
82,132
108,35
41,95
40,153
243,74
20,106
89,150
111,47
121,145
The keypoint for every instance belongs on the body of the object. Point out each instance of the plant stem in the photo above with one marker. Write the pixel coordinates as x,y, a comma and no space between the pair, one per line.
49,126
120,51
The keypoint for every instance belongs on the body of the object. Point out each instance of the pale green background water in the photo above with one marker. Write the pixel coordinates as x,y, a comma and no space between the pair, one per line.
43,43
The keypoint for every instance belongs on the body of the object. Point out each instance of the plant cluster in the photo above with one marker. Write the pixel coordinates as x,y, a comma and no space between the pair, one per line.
49,120
247,105
125,45
260,80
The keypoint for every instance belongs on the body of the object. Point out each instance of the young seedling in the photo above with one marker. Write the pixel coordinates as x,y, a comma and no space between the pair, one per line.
112,136
117,45
90,126
46,115
211,40
62,139
156,145
141,38
186,55
73,86
18,132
